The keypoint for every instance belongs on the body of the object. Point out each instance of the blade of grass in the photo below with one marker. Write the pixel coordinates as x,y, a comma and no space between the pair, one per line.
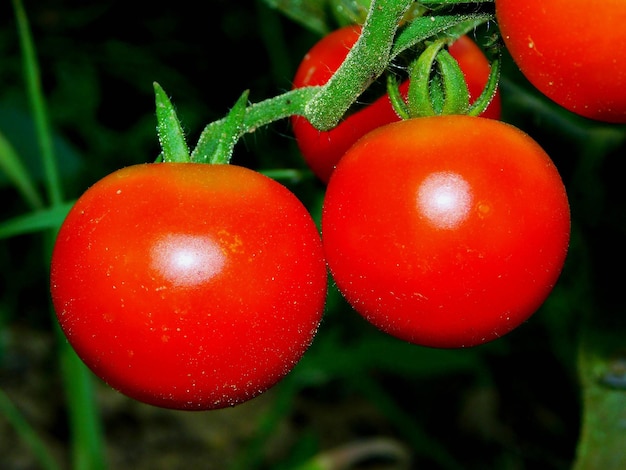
12,166
35,95
27,434
86,434
37,221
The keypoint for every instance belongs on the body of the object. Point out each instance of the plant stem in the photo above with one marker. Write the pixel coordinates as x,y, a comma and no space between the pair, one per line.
324,105
366,61
87,445
35,94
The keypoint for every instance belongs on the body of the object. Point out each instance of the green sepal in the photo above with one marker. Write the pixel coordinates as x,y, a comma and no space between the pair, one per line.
218,139
454,86
171,136
483,101
419,98
397,100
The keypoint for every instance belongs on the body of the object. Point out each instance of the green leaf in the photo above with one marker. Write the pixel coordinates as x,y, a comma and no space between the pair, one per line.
312,14
36,221
12,166
171,135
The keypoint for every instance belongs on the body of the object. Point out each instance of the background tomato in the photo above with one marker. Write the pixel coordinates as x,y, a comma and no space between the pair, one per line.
189,286
446,231
322,150
572,53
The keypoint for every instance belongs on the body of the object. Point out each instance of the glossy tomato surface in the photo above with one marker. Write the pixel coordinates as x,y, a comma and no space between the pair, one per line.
572,51
322,150
447,231
189,286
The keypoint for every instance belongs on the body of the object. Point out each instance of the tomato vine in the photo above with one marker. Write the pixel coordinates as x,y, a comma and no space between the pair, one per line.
379,44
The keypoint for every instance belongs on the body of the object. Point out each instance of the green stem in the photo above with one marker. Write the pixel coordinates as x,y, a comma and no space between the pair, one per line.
256,115
35,94
323,106
366,61
85,425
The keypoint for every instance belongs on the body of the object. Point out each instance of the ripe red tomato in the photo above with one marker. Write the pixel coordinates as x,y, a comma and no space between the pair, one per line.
446,231
572,53
189,286
322,150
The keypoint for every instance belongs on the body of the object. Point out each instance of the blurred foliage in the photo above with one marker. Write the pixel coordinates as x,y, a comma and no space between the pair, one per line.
511,404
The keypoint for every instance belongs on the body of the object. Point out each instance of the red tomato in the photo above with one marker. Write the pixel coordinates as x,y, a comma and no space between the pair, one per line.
572,53
446,231
189,286
322,150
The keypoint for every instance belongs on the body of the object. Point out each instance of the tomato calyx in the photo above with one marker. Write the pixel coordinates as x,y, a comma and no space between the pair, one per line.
437,85
215,146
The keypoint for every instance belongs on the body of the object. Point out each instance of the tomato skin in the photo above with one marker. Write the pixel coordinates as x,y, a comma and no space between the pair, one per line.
446,231
573,54
189,286
322,150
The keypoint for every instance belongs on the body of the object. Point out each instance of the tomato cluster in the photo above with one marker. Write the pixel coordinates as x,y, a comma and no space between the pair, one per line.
199,286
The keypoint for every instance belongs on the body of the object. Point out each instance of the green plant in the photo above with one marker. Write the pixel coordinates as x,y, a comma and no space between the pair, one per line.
549,395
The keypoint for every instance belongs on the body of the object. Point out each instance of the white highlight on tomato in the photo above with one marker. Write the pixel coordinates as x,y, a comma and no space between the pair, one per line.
445,199
187,260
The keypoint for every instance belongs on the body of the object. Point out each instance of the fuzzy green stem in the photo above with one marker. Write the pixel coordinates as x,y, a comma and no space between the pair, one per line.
366,61
35,94
255,116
